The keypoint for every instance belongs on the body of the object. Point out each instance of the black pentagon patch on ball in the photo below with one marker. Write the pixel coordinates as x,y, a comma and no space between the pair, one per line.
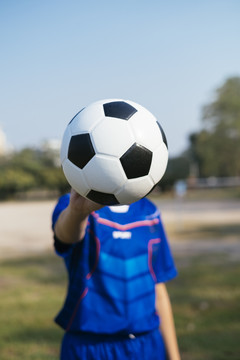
163,135
136,161
119,109
102,198
80,150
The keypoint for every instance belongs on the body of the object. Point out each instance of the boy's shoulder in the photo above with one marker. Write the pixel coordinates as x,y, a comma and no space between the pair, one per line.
141,208
63,201
146,206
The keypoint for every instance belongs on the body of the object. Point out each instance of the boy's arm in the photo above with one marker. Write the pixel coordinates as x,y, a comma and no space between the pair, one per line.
167,327
71,224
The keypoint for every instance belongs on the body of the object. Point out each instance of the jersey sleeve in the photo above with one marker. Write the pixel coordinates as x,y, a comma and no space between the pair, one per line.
61,248
62,203
163,264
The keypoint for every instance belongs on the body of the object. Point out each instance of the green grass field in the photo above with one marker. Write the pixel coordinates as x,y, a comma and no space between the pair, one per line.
205,298
32,289
206,303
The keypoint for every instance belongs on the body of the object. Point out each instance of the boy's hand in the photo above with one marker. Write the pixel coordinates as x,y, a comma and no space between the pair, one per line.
71,224
79,204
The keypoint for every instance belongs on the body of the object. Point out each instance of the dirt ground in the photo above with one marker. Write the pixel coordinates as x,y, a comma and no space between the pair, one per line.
25,227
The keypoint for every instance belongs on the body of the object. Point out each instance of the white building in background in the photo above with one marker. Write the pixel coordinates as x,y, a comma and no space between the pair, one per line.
3,143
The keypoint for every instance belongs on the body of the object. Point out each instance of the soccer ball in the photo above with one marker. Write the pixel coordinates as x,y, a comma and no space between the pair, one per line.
114,152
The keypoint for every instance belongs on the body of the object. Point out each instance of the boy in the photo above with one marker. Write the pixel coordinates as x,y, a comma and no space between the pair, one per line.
118,259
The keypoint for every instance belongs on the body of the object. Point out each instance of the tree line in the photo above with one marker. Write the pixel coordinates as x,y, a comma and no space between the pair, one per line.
30,169
213,151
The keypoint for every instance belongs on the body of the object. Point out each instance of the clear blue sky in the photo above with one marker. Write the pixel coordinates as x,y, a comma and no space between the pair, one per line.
58,56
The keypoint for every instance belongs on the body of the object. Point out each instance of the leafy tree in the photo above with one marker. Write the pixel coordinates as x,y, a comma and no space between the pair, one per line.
177,169
14,180
30,169
54,179
216,147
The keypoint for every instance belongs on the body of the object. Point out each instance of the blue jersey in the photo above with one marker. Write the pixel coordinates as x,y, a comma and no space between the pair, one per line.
114,269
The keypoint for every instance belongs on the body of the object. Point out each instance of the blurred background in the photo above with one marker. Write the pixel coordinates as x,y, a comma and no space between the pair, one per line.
181,60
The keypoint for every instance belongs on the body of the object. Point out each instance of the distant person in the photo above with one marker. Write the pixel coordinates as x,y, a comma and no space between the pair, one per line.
118,259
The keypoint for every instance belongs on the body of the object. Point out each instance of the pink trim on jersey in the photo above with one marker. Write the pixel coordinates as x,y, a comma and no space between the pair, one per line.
97,241
84,293
127,226
150,245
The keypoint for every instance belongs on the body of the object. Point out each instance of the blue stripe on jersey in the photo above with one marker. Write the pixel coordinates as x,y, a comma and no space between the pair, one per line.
121,289
123,268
